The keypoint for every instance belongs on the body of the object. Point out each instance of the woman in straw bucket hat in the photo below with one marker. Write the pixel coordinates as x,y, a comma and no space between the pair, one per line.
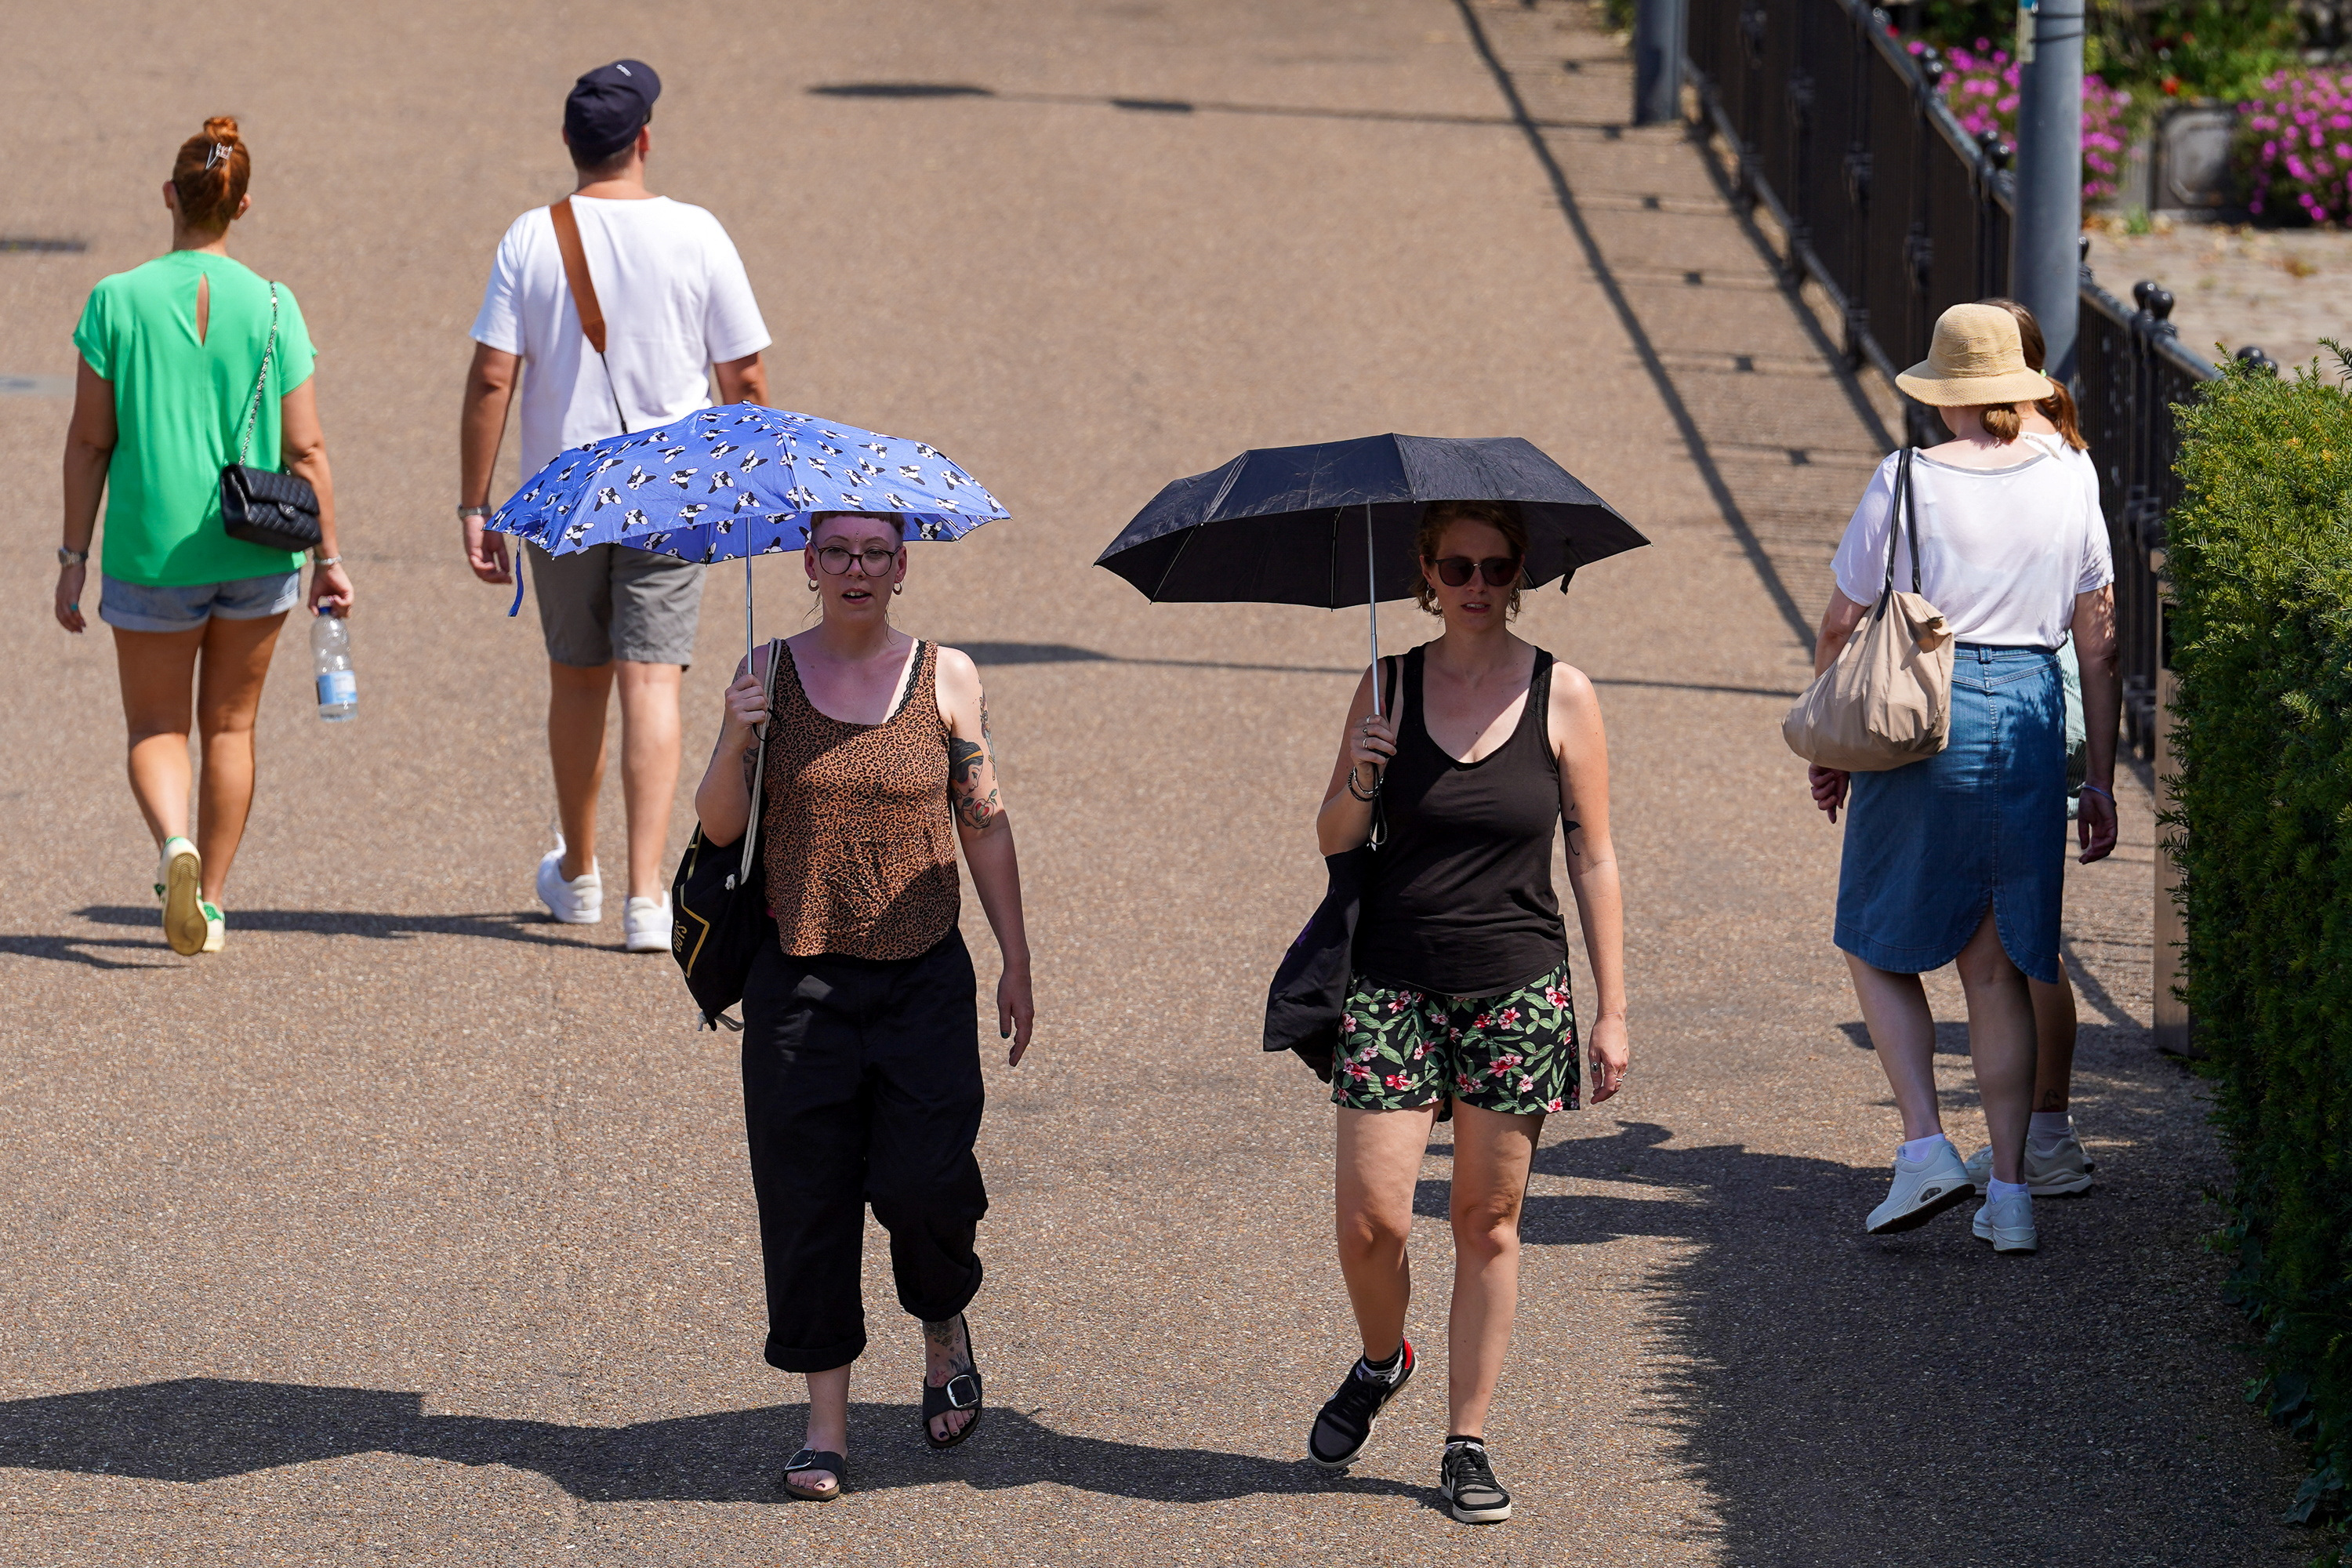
1959,858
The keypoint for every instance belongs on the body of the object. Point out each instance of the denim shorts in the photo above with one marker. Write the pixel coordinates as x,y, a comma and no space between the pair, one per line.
137,607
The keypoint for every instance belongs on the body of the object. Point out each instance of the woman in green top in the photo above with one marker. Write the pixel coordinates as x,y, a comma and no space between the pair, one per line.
170,352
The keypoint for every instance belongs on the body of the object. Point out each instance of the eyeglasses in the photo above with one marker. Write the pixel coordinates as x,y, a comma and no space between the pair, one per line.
1500,571
874,558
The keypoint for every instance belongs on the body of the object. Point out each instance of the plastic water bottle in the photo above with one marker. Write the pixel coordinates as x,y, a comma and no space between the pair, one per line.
331,656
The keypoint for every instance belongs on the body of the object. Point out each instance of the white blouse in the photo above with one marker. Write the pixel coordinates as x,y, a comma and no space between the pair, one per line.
2002,551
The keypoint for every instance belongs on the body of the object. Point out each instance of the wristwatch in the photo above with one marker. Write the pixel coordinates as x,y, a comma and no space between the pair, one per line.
473,512
72,557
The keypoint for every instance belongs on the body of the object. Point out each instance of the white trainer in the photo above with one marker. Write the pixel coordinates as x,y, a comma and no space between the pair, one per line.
2058,1169
578,902
179,878
2008,1225
647,924
1923,1189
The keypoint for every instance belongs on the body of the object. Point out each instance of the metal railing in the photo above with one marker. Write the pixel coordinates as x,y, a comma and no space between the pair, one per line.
1897,213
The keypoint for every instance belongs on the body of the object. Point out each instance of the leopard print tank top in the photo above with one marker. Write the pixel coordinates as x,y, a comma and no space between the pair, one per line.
861,853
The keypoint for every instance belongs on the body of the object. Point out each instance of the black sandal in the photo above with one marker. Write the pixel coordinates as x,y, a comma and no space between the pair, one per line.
960,1392
809,1459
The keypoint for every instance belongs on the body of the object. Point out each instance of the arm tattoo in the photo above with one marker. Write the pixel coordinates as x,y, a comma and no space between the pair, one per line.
973,810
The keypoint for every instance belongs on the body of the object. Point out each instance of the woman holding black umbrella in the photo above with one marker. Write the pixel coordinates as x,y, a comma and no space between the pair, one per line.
1461,988
861,1062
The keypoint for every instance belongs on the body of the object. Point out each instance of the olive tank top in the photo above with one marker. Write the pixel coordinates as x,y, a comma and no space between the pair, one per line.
1459,901
861,857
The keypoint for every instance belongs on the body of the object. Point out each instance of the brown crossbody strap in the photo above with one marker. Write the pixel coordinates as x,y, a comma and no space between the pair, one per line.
583,294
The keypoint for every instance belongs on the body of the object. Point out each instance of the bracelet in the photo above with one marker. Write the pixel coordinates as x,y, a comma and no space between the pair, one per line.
326,561
473,512
1361,795
2096,790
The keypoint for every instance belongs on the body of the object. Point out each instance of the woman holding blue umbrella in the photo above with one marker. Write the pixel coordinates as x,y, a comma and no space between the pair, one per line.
861,1054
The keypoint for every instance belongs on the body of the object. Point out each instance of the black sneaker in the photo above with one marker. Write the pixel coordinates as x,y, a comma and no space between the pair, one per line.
1466,1482
1345,1423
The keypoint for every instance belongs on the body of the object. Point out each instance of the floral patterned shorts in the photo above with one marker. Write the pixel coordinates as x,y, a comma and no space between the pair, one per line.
1513,1052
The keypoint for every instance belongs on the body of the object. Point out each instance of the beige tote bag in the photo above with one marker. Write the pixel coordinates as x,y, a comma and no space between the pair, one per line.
1887,700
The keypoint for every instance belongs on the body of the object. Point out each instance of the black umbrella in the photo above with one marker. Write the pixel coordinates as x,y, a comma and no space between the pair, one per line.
1311,525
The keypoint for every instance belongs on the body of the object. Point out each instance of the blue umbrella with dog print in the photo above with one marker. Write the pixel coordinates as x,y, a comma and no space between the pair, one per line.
733,482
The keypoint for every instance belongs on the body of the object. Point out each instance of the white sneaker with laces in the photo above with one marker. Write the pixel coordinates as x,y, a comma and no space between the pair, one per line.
578,902
2058,1169
2008,1225
647,923
1922,1190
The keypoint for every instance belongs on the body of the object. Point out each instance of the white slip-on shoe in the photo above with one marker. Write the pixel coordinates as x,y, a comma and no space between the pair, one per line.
1922,1190
178,880
2052,1170
578,902
2008,1225
647,923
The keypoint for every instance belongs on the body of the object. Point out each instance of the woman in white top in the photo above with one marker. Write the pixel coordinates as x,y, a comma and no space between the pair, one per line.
1959,857
2055,1162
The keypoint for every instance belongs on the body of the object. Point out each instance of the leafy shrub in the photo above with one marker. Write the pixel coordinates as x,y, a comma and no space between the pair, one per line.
2261,560
2192,49
1980,88
2293,147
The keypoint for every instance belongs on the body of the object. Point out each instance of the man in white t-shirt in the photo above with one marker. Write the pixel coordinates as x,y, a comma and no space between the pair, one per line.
677,308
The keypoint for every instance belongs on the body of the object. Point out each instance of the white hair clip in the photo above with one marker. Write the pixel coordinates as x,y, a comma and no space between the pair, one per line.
218,154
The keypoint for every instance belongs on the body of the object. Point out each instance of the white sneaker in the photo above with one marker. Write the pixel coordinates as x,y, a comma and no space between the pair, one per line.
1923,1189
578,902
648,922
2008,1225
178,879
2058,1169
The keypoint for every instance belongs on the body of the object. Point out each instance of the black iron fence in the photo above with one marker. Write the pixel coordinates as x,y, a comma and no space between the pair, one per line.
1840,133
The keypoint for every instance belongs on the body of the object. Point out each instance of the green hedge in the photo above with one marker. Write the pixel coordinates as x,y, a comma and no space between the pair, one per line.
2260,562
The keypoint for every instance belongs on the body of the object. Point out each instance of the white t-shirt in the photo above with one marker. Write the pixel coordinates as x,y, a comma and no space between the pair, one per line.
2002,551
675,298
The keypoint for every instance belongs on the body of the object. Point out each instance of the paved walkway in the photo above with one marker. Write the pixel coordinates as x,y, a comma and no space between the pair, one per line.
414,1230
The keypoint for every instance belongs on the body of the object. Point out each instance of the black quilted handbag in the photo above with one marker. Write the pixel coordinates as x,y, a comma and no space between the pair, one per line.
719,901
262,506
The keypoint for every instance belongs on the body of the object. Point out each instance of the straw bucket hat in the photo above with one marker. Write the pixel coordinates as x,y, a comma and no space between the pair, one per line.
1976,358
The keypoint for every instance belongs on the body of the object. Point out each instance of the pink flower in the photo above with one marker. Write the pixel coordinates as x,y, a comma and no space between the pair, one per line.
1510,1017
1419,1052
1525,1084
1482,1022
1398,1080
1368,1053
1347,1023
1551,1105
1359,1072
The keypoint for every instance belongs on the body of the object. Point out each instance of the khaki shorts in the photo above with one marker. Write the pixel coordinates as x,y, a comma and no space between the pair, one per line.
611,601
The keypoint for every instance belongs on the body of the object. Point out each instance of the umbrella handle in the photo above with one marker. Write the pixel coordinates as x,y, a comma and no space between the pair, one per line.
1372,606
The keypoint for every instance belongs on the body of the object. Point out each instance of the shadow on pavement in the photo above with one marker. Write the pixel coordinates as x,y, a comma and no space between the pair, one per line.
919,90
535,929
91,950
1841,1394
202,1429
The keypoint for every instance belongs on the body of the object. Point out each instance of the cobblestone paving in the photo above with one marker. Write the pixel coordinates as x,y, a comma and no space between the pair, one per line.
414,1230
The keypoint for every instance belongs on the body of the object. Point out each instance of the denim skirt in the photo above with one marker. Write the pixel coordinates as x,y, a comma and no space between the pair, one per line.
1929,846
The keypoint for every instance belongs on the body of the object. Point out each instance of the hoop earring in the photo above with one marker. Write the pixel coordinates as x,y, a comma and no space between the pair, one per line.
897,588
812,584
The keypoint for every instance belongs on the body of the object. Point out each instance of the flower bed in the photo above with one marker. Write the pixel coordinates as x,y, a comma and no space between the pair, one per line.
2295,147
1980,90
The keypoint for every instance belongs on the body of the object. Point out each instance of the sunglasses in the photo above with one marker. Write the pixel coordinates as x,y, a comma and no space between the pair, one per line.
874,558
1500,571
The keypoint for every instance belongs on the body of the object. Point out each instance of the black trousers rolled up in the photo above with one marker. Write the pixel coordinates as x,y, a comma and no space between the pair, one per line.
861,1084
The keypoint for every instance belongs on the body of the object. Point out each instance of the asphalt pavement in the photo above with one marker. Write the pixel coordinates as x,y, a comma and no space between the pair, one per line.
415,1230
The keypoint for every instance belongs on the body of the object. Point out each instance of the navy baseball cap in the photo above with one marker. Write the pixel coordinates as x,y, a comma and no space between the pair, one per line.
608,107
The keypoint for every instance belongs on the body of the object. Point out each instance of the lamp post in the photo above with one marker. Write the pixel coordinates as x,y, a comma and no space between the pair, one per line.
2044,261
1658,60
